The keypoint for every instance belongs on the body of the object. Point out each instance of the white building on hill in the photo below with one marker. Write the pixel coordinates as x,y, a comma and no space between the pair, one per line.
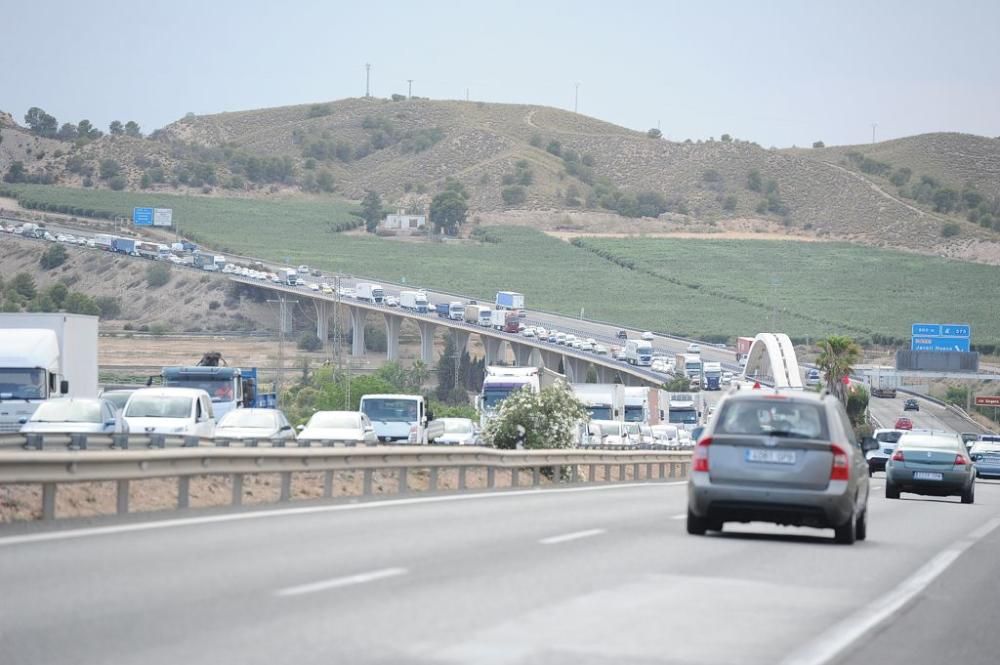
403,222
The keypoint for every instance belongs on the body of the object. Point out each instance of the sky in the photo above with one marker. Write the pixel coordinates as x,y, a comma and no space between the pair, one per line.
776,72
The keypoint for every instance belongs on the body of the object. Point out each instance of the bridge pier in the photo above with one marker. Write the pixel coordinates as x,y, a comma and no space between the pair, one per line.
605,374
575,369
550,360
392,326
427,341
461,339
522,354
322,319
358,317
494,349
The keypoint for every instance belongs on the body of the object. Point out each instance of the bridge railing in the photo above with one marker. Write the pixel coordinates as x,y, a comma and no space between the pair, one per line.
407,466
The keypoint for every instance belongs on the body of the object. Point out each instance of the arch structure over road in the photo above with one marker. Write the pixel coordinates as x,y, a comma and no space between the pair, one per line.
772,360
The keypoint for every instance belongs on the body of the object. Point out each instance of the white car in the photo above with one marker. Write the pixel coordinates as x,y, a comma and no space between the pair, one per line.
257,424
391,301
351,427
694,348
458,431
182,411
648,336
314,287
601,350
727,378
76,415
528,332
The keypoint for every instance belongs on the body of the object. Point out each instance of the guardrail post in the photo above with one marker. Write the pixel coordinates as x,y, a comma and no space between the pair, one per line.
536,476
461,478
119,441
191,442
635,471
157,441
621,473
491,477
33,441
607,473
432,480
122,497
557,474
237,489
286,486
514,472
575,474
591,473
662,470
328,484
49,501
77,441
183,492
404,480
366,483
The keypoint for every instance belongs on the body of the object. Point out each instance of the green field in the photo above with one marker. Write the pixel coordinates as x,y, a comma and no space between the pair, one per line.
700,288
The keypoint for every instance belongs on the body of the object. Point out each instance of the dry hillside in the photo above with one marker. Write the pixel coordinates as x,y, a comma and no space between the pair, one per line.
531,158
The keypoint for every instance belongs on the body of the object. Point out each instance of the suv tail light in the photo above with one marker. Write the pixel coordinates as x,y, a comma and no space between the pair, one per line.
699,460
897,456
959,460
840,469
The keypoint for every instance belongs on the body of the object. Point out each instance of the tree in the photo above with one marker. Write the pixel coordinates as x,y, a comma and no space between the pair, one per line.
40,122
654,133
79,303
726,138
549,419
53,257
57,293
118,183
754,182
371,210
448,211
950,230
157,275
23,285
837,357
554,147
15,172
87,131
109,168
513,195
116,128
819,144
309,341
67,132
109,306
132,129
729,204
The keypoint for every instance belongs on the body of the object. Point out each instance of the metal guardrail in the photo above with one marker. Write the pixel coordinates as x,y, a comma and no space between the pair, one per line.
51,468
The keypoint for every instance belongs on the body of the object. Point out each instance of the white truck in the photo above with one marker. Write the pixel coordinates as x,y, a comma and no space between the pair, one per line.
639,352
414,301
509,300
683,410
369,292
485,318
637,405
689,365
500,382
401,418
287,276
43,356
603,401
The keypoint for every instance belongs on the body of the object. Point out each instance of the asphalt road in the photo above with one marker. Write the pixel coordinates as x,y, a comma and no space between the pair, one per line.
930,416
592,576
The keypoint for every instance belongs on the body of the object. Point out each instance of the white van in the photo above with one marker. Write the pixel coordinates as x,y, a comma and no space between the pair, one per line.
180,411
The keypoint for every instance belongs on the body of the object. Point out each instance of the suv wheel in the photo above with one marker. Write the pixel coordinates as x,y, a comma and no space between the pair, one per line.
696,526
846,533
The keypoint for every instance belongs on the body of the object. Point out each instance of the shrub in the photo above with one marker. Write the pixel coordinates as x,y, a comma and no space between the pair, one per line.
110,309
654,133
819,144
118,183
513,195
309,341
950,230
53,257
157,275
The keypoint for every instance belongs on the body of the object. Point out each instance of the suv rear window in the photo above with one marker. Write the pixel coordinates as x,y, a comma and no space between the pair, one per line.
888,437
770,417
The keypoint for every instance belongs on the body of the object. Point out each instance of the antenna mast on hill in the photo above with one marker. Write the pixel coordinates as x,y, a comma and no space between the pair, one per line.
874,125
409,91
368,76
576,96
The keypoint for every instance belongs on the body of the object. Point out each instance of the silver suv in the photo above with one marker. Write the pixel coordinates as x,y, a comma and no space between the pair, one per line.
789,458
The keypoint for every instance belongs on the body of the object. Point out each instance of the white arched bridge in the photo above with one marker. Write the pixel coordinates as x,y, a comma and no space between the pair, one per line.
772,360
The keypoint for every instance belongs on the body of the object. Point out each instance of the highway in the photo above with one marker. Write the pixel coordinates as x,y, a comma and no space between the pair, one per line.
930,416
594,575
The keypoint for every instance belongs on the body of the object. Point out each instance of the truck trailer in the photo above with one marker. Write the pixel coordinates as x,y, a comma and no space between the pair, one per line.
44,356
369,292
413,301
509,300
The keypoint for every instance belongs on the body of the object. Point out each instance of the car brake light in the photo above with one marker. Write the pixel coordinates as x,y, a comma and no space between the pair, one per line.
839,470
897,456
959,460
699,460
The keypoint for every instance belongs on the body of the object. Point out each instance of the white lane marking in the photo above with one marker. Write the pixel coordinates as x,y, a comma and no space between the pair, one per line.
679,516
69,534
338,582
829,645
566,537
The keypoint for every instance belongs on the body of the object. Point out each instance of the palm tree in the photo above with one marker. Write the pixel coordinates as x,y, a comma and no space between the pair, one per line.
837,357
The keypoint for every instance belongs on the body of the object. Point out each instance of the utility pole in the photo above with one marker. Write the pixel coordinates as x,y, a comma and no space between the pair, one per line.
466,94
282,318
409,91
874,125
338,343
368,76
576,97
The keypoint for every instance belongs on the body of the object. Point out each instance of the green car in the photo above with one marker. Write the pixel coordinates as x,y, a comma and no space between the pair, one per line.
930,464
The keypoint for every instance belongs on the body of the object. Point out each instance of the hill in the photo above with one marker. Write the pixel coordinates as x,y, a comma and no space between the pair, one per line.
531,158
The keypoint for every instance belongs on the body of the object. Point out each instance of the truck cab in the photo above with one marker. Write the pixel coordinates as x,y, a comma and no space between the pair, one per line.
228,387
401,418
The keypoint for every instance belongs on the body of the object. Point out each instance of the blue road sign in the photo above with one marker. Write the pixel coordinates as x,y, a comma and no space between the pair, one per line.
956,330
938,343
142,216
925,329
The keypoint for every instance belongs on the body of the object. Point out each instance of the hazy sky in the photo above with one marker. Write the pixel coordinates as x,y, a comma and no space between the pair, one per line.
778,73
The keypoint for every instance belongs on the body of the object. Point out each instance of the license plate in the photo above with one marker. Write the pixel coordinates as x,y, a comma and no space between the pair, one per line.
991,461
926,475
887,451
770,456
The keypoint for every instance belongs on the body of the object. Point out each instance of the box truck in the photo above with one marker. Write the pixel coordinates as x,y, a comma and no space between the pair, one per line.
371,293
414,301
509,300
44,356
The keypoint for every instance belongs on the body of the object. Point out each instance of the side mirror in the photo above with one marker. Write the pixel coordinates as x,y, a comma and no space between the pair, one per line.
64,387
285,428
300,428
869,444
423,421
696,433
110,422
22,420
369,428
